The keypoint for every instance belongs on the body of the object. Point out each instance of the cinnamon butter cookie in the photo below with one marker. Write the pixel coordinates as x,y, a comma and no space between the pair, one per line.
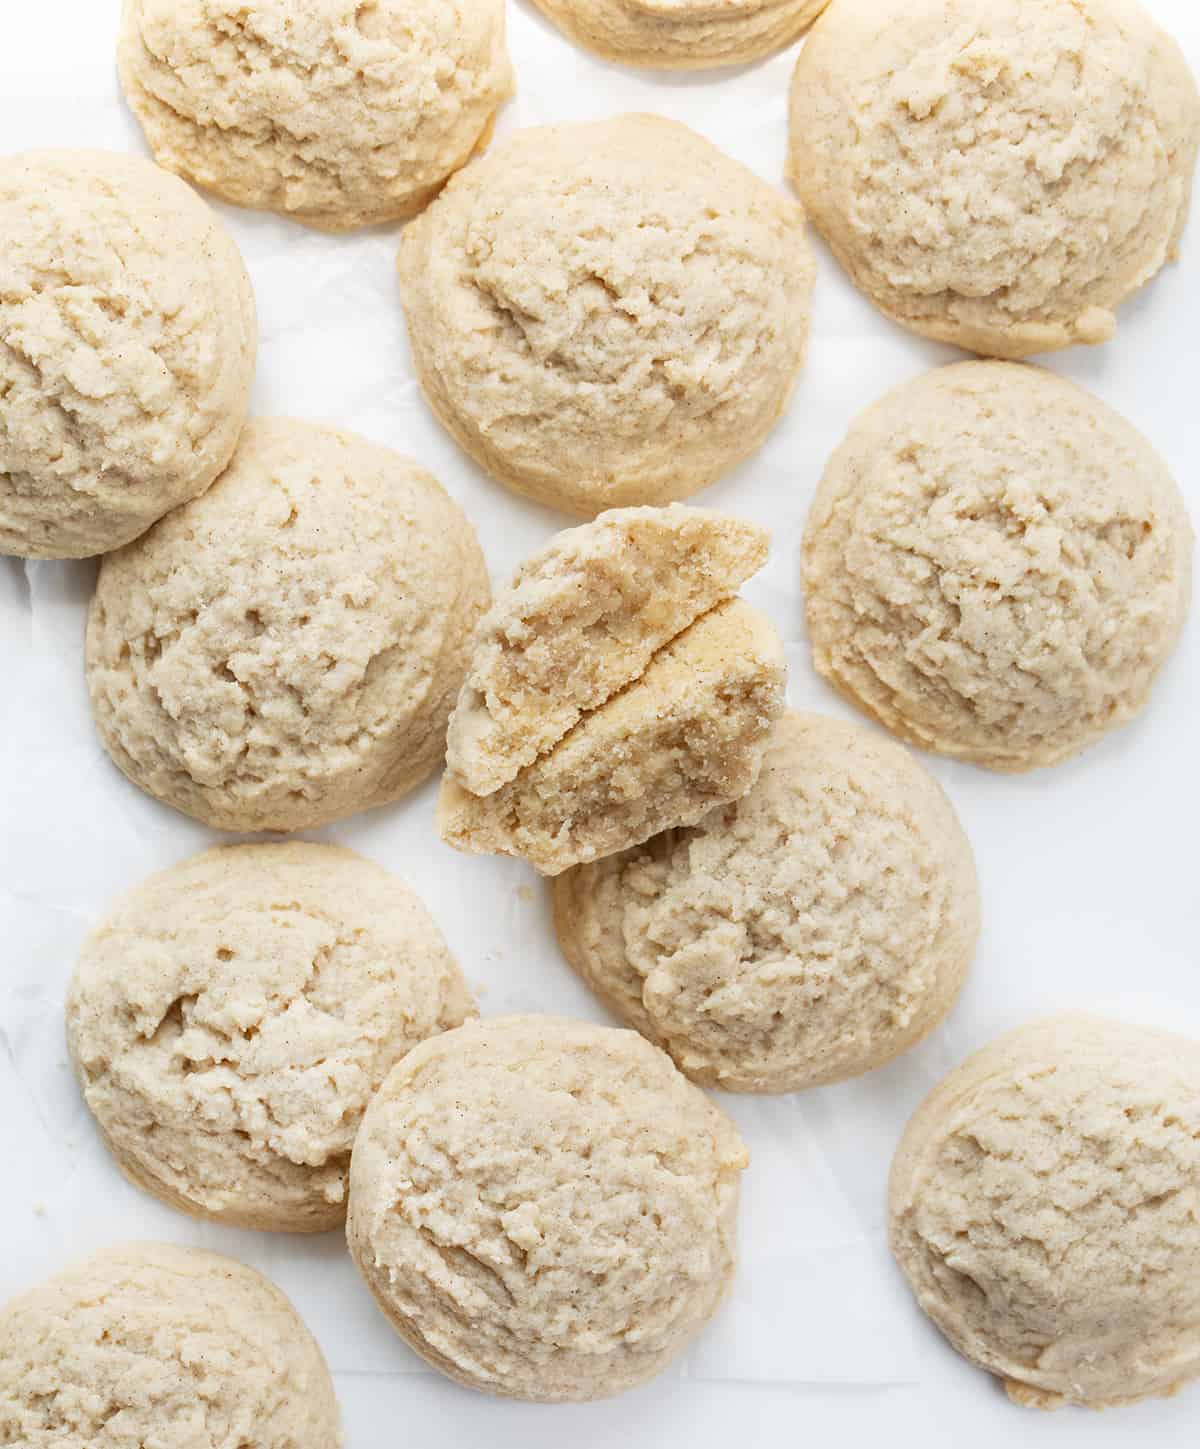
1044,1208
607,313
545,1209
996,565
285,650
150,1344
682,34
339,113
127,349
808,932
231,1017
999,174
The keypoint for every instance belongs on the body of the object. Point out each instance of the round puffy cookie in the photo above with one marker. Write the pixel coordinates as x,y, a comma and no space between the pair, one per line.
127,349
1045,1207
999,174
232,1016
338,113
682,34
996,565
286,649
809,932
607,313
150,1344
544,1209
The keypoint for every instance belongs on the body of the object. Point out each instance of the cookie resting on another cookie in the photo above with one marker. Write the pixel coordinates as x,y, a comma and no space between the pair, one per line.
583,617
687,734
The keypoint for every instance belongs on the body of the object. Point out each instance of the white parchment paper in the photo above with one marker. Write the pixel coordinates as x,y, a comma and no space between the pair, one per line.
1089,871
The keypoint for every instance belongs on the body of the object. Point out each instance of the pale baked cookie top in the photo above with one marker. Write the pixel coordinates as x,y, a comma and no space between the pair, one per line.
338,113
581,618
996,565
999,174
231,1017
127,349
544,1209
1045,1207
682,34
150,1344
607,313
286,649
810,931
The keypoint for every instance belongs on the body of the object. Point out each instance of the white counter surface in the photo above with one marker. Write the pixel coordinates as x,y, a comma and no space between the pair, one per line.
1089,871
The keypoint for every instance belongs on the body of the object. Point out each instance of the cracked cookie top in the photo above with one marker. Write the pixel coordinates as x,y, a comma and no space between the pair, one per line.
286,649
231,1017
151,1344
1045,1206
996,565
810,931
999,174
339,113
544,1208
607,313
127,348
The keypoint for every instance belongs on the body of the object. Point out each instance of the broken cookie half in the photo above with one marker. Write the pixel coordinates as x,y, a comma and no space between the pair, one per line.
688,734
581,620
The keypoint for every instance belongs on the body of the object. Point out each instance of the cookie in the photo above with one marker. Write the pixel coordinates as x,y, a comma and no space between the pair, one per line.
127,348
682,34
808,932
607,313
1043,1206
336,113
155,1345
286,649
688,734
582,618
996,565
999,174
231,1017
544,1209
